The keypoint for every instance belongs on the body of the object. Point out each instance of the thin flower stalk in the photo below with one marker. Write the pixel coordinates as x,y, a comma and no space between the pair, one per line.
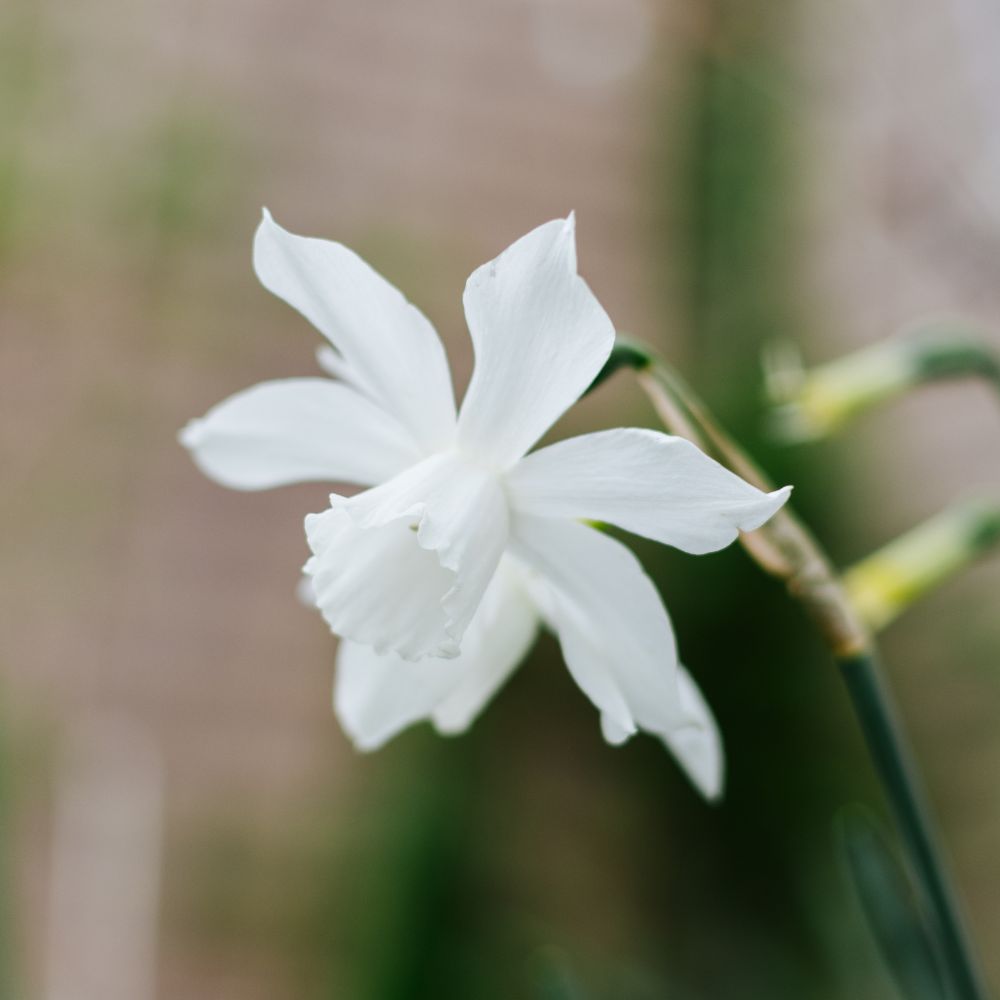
785,548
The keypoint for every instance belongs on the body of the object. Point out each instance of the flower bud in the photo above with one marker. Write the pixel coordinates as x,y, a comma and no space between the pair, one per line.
813,403
884,585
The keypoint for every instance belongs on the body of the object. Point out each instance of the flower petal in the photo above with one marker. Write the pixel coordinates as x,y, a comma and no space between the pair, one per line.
613,628
376,696
387,347
650,483
403,566
697,745
540,337
298,430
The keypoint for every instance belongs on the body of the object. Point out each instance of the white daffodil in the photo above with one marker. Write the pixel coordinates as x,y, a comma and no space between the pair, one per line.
439,576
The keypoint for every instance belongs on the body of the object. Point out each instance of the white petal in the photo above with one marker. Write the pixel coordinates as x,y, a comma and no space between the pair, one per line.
498,638
332,363
376,696
698,747
298,430
385,345
646,482
304,591
613,733
540,337
614,631
403,567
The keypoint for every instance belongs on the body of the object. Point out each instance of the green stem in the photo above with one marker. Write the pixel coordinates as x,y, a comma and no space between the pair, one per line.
892,761
786,548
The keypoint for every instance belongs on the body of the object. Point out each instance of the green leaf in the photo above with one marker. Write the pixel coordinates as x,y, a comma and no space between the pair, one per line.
554,978
889,906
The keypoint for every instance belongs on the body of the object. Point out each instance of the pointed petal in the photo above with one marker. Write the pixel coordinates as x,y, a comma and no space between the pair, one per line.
698,747
616,735
614,631
298,430
646,482
376,696
404,566
697,744
618,642
540,337
386,346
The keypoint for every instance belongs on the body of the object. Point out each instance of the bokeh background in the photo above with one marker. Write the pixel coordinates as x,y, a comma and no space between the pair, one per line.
179,814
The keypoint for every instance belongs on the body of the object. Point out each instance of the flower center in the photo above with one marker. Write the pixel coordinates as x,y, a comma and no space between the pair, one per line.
403,566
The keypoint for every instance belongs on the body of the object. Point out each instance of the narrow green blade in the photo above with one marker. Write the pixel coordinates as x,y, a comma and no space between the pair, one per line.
889,906
553,976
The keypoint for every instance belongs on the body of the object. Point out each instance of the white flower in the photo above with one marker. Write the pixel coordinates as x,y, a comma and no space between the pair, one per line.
439,576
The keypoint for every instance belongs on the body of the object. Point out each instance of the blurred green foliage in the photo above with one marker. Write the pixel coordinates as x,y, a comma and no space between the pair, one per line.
20,83
757,881
413,913
181,182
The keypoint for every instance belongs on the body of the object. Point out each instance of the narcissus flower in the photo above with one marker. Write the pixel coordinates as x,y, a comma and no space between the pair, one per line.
439,575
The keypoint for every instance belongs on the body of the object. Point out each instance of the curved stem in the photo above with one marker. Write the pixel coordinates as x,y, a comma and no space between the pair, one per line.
787,549
784,547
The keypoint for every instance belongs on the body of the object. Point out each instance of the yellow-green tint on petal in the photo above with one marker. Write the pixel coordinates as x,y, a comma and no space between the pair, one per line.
885,584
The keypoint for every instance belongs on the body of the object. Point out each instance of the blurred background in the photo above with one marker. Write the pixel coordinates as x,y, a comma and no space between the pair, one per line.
180,815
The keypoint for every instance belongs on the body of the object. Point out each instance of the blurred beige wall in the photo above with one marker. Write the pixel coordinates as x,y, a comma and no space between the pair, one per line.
139,142
143,139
